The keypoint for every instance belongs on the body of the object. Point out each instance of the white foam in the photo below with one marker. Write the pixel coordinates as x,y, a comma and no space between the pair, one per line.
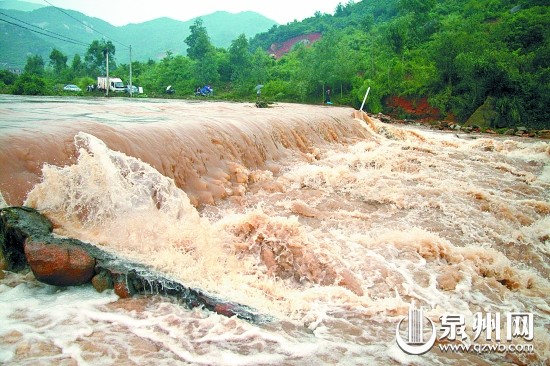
33,312
545,175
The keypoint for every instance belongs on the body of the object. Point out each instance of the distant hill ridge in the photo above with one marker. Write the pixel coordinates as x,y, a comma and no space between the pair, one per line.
19,5
149,40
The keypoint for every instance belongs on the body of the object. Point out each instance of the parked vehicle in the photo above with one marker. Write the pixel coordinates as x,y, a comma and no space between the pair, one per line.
205,91
114,84
71,87
134,89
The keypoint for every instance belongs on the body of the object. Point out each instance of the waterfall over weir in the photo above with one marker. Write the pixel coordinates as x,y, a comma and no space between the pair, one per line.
202,146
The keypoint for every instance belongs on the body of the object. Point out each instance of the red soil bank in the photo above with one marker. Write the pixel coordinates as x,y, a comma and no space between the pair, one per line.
415,108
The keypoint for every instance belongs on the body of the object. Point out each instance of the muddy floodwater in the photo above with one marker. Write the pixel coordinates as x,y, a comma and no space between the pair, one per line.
336,225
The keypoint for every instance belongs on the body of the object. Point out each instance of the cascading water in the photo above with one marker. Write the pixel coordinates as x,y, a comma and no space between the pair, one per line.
332,224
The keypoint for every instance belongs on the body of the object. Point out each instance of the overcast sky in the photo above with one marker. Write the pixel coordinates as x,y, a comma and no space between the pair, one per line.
122,12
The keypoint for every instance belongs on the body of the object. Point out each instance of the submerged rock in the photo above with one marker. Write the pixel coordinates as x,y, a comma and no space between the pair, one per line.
261,104
123,288
102,281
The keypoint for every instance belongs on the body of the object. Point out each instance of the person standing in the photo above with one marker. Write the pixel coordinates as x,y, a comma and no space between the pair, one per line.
327,96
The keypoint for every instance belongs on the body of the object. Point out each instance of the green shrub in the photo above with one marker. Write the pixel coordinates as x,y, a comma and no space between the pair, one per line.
29,84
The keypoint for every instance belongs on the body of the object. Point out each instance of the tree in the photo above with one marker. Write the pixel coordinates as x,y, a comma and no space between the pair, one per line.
96,56
319,66
347,62
176,71
224,65
198,41
339,10
77,66
261,65
240,60
29,84
203,53
58,61
7,79
343,10
34,65
416,6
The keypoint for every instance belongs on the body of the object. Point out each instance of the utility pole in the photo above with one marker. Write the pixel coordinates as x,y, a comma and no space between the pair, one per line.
107,68
131,88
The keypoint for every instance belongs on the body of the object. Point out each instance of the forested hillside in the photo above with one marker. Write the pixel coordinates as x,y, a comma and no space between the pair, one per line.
461,55
489,56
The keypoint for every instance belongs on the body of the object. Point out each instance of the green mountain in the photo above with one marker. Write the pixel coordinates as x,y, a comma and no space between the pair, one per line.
151,40
19,5
40,30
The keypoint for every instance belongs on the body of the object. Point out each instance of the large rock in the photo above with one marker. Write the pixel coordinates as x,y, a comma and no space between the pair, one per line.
59,264
485,116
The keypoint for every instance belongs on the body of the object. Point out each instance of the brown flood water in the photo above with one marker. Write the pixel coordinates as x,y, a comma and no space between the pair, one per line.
329,221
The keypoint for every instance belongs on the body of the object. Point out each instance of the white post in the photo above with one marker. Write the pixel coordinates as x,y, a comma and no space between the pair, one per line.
365,99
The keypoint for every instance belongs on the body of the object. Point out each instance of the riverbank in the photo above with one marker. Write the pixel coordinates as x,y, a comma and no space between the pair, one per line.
440,125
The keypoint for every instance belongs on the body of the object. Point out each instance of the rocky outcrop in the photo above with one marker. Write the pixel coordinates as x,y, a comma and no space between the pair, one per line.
485,116
544,134
17,224
471,128
26,241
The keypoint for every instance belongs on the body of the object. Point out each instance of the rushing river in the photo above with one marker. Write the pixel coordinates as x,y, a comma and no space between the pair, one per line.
328,221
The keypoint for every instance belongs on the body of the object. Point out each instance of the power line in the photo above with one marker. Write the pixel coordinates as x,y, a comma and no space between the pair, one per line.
84,24
52,35
45,34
